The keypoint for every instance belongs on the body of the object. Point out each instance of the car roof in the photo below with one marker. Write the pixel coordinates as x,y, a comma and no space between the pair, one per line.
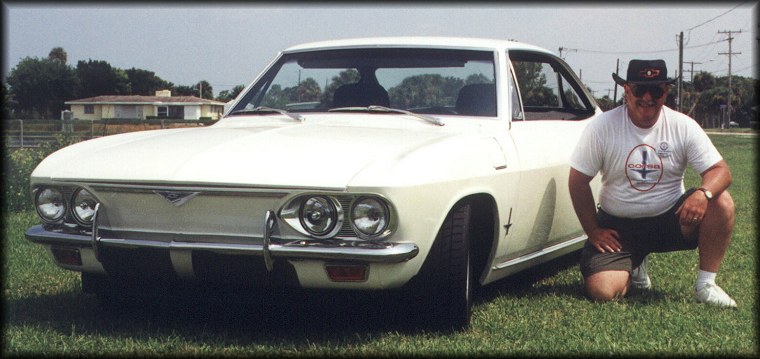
427,41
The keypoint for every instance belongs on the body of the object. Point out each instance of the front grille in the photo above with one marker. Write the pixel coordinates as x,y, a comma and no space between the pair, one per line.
211,213
346,230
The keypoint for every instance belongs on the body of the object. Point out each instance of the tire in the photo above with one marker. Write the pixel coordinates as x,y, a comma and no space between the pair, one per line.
444,286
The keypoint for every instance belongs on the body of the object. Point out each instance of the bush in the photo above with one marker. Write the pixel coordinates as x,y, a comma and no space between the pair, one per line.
18,164
119,121
207,121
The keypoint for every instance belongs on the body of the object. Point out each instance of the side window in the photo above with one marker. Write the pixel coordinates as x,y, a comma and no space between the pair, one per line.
517,110
537,84
570,96
547,89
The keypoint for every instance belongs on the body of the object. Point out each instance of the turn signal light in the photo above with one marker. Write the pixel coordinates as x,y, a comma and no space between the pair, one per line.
347,273
67,256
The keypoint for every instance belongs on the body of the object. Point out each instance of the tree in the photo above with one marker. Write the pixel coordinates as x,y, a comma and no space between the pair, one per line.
145,83
308,90
743,100
183,91
709,99
41,86
605,103
8,102
203,90
275,97
426,90
703,81
348,76
58,53
229,95
533,84
98,78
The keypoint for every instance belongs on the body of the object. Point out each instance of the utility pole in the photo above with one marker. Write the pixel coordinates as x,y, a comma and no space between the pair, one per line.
565,49
617,68
692,68
680,69
729,53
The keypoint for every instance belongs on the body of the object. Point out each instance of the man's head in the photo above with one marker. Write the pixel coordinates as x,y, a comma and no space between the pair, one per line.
646,89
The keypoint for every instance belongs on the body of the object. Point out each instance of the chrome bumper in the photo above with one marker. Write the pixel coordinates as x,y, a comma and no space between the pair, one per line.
378,252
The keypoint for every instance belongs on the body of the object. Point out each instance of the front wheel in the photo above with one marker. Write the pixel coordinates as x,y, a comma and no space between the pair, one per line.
444,286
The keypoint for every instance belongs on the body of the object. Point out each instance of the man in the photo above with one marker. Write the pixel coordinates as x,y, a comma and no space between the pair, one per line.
642,149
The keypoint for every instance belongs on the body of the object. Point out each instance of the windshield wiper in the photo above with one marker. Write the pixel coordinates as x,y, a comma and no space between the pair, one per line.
264,109
375,108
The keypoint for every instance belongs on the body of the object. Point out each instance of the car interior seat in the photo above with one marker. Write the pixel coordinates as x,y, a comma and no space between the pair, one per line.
477,100
360,94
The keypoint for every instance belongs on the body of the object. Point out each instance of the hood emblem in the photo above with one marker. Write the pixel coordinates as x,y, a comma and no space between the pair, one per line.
177,198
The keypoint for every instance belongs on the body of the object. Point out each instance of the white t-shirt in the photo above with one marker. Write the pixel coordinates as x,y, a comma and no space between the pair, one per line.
642,169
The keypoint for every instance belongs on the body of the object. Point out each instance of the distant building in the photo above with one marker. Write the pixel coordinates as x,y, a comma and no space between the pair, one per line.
162,105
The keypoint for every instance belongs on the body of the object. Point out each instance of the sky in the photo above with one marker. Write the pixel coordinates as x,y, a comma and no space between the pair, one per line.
230,43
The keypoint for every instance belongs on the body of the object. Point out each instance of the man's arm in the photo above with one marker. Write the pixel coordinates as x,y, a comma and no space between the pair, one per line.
715,179
603,239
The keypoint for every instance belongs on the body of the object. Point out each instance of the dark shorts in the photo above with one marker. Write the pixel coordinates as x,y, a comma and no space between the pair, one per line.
639,237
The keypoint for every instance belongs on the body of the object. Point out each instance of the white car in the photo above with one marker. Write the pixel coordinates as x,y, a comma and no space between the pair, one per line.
426,165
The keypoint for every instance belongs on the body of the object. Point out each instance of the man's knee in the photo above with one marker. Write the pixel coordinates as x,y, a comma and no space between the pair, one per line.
607,286
719,217
725,203
722,205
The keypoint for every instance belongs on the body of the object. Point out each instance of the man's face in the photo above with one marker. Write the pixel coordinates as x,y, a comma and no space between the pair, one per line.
645,102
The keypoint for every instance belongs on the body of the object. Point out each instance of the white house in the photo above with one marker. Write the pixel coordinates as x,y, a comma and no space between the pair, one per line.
162,105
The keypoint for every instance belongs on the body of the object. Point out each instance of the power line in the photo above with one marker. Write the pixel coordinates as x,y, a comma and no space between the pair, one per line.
642,52
732,9
625,52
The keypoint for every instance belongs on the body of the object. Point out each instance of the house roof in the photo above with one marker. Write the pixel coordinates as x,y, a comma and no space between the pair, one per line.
138,99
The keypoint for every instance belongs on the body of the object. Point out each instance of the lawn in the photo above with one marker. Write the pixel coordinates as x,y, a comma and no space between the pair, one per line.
541,312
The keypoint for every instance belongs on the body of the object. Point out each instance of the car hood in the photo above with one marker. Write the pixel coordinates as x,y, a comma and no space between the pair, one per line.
322,152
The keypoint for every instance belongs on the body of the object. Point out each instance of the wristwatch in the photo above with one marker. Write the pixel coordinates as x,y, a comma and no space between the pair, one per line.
707,193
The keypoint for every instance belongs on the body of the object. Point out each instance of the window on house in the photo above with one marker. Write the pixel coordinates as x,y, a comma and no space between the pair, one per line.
89,109
162,111
128,111
177,112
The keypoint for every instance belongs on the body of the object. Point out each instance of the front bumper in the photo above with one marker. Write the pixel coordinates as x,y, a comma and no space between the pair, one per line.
216,250
372,252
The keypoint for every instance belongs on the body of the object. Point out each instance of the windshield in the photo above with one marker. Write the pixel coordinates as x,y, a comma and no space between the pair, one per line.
425,81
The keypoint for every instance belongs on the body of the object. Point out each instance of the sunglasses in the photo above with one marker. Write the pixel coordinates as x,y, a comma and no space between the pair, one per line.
654,90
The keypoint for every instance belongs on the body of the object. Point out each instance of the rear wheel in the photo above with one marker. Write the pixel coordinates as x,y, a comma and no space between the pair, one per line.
444,286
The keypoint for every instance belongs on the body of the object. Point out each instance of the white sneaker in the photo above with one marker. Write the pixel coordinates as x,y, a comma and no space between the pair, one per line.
712,294
640,277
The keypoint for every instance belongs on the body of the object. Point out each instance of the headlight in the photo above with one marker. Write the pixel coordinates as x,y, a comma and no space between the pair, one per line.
319,215
370,216
51,206
83,206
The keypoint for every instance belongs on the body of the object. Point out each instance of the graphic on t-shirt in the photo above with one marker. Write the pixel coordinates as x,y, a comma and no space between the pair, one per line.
643,167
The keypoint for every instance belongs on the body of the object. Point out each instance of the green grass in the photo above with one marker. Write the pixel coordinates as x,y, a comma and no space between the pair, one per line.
541,312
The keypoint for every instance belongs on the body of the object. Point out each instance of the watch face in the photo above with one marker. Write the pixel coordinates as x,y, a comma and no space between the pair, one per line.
708,194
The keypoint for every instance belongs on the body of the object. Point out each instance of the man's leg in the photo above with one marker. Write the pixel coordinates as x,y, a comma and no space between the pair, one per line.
714,236
715,232
607,285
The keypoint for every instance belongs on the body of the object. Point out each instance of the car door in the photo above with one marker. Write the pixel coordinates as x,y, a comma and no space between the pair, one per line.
555,109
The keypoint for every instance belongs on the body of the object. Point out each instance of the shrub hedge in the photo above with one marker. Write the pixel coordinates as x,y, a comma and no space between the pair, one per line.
18,164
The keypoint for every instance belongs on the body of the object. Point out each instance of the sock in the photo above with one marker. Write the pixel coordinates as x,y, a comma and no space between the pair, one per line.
704,278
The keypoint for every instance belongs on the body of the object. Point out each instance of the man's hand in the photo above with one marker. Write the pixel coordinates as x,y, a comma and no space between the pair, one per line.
605,240
692,211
